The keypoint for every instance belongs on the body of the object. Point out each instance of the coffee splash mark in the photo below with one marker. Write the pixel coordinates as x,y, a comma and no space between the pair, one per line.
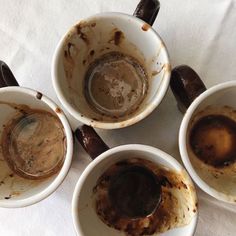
117,37
80,33
146,27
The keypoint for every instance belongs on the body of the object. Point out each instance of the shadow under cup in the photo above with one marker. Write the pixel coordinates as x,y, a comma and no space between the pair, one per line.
16,191
99,35
218,182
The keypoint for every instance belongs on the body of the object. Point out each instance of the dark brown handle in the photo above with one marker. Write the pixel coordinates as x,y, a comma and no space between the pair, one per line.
186,85
6,76
147,10
90,141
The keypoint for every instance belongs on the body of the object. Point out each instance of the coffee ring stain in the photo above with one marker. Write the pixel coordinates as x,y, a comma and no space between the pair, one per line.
117,37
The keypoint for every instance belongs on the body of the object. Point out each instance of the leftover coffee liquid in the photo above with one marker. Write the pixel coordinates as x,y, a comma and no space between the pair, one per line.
213,140
33,143
115,85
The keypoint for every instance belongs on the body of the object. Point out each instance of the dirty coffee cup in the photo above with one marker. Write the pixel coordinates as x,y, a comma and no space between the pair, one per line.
26,174
132,189
112,70
207,134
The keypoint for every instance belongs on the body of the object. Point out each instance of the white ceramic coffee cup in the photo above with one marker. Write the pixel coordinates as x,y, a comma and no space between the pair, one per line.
85,219
188,89
92,38
16,191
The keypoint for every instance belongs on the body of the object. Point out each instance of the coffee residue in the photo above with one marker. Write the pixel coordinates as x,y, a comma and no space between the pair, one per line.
146,27
33,142
176,207
80,32
213,140
115,84
117,37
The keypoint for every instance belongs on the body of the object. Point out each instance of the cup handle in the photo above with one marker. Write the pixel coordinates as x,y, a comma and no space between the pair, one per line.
147,10
186,85
6,76
90,141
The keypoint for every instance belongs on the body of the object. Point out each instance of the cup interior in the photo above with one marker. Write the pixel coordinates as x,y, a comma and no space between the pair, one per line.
16,191
85,218
96,36
219,183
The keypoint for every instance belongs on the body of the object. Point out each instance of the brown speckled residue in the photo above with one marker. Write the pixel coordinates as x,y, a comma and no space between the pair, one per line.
146,27
80,32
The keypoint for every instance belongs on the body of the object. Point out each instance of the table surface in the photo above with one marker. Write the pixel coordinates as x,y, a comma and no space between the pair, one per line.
198,33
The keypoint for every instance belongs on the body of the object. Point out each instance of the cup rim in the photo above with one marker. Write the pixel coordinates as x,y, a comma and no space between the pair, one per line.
68,157
163,87
128,147
183,144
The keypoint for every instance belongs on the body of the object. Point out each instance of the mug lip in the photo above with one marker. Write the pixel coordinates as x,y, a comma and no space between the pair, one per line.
68,157
158,97
183,142
128,147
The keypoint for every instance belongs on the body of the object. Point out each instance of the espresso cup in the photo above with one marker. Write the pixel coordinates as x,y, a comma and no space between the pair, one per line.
16,191
85,218
102,34
195,100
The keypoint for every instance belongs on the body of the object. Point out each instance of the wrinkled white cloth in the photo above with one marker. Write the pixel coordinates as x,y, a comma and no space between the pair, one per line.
198,33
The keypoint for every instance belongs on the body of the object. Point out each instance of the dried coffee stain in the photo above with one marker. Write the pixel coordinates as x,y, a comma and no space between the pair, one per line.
39,95
58,110
146,27
117,37
80,32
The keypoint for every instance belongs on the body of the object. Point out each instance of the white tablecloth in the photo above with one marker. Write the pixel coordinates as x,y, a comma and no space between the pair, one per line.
198,33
